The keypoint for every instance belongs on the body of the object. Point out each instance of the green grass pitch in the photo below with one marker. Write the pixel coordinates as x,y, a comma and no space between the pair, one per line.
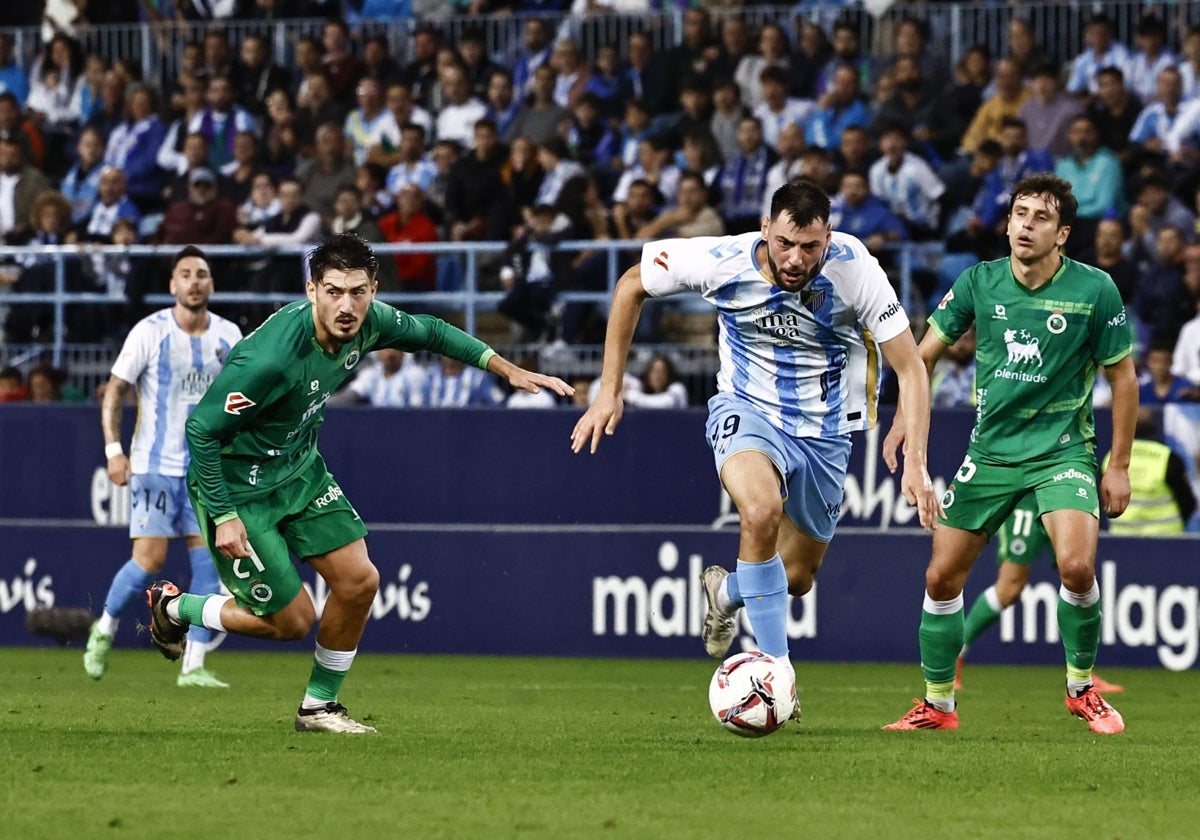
495,748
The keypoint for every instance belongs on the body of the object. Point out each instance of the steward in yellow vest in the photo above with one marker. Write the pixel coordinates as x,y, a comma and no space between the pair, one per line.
1161,498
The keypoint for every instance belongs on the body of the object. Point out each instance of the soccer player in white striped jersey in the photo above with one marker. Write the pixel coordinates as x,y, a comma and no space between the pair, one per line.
804,313
170,357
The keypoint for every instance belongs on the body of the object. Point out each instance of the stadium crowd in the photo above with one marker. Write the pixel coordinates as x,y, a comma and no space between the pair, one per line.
540,144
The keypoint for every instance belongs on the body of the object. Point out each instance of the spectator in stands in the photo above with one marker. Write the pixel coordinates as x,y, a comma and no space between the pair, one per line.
654,165
12,76
451,384
534,53
1115,109
952,384
604,83
773,51
911,42
728,112
365,125
1107,252
591,140
133,148
378,63
1023,47
410,223
461,111
420,74
295,224
475,189
790,148
1185,361
522,177
348,217
82,182
20,184
315,109
857,212
1010,94
171,158
202,218
12,385
572,73
329,169
1150,58
644,76
776,109
261,204
195,156
113,202
555,160
190,68
700,154
542,118
912,106
371,181
1094,174
847,50
743,178
49,102
221,120
1048,112
111,111
255,75
479,67
403,110
907,185
1189,62
1154,209
1102,50
808,59
637,210
524,399
1017,161
281,145
1159,285
444,155
533,273
853,150
46,384
971,220
693,216
839,108
412,163
218,56
502,107
394,380
1150,138
235,177
631,132
341,66
85,93
15,127
1157,384
658,387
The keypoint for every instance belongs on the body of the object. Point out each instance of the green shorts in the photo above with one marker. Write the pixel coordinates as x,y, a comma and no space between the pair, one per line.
1022,539
982,496
309,516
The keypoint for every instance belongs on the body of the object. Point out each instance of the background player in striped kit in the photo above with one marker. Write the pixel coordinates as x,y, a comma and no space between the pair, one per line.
170,357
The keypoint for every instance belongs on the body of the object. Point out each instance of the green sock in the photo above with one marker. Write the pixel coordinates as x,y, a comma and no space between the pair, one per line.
1080,630
981,616
324,683
191,608
941,637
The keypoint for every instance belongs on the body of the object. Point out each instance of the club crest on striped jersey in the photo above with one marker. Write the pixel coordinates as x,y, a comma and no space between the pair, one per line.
237,402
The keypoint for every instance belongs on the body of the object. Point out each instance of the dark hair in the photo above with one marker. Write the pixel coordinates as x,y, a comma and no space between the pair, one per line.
1013,122
990,148
1115,72
1052,187
344,251
185,252
803,200
11,372
773,73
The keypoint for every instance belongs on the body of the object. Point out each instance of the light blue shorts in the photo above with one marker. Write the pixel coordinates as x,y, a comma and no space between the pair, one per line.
159,507
812,470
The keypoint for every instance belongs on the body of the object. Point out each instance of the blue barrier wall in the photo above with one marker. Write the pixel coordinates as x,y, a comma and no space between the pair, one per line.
492,538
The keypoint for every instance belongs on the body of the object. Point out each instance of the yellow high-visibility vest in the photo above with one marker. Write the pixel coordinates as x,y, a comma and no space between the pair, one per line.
1152,510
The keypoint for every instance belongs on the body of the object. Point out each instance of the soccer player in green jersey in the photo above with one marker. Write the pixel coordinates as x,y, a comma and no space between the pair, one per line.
1044,323
1020,541
261,489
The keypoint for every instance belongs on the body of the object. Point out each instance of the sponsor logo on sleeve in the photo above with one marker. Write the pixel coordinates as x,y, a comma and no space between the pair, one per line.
237,402
661,261
1118,319
945,300
893,309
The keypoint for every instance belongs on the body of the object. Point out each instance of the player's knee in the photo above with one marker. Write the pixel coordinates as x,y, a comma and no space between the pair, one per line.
1076,573
799,583
761,517
293,628
941,585
360,586
1008,593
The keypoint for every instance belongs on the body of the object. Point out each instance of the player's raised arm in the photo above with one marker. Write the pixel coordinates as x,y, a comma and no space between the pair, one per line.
912,370
604,414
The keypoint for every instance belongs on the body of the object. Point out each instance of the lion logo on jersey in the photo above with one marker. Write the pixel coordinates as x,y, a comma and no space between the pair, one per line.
1025,350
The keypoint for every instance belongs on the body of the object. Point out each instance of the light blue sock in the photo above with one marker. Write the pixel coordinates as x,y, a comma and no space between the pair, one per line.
733,590
205,581
129,584
763,589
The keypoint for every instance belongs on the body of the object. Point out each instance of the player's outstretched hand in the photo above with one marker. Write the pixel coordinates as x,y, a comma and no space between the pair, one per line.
919,491
1114,491
601,418
526,380
893,442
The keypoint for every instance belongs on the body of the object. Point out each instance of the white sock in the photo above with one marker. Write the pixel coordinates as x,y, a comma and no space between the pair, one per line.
107,624
173,610
212,613
1085,600
193,657
942,704
723,602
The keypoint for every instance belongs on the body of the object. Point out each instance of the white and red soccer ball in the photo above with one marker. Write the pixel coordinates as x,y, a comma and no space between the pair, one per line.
752,694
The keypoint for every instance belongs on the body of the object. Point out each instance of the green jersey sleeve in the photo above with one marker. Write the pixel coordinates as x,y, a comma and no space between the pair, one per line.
229,405
956,311
1112,334
403,331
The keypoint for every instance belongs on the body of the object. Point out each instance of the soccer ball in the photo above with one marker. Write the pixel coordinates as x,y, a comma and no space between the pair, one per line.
752,694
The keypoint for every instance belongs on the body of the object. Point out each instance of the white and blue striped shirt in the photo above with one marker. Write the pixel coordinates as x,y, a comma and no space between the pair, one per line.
1085,65
171,371
1141,76
911,192
1153,122
472,386
808,361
